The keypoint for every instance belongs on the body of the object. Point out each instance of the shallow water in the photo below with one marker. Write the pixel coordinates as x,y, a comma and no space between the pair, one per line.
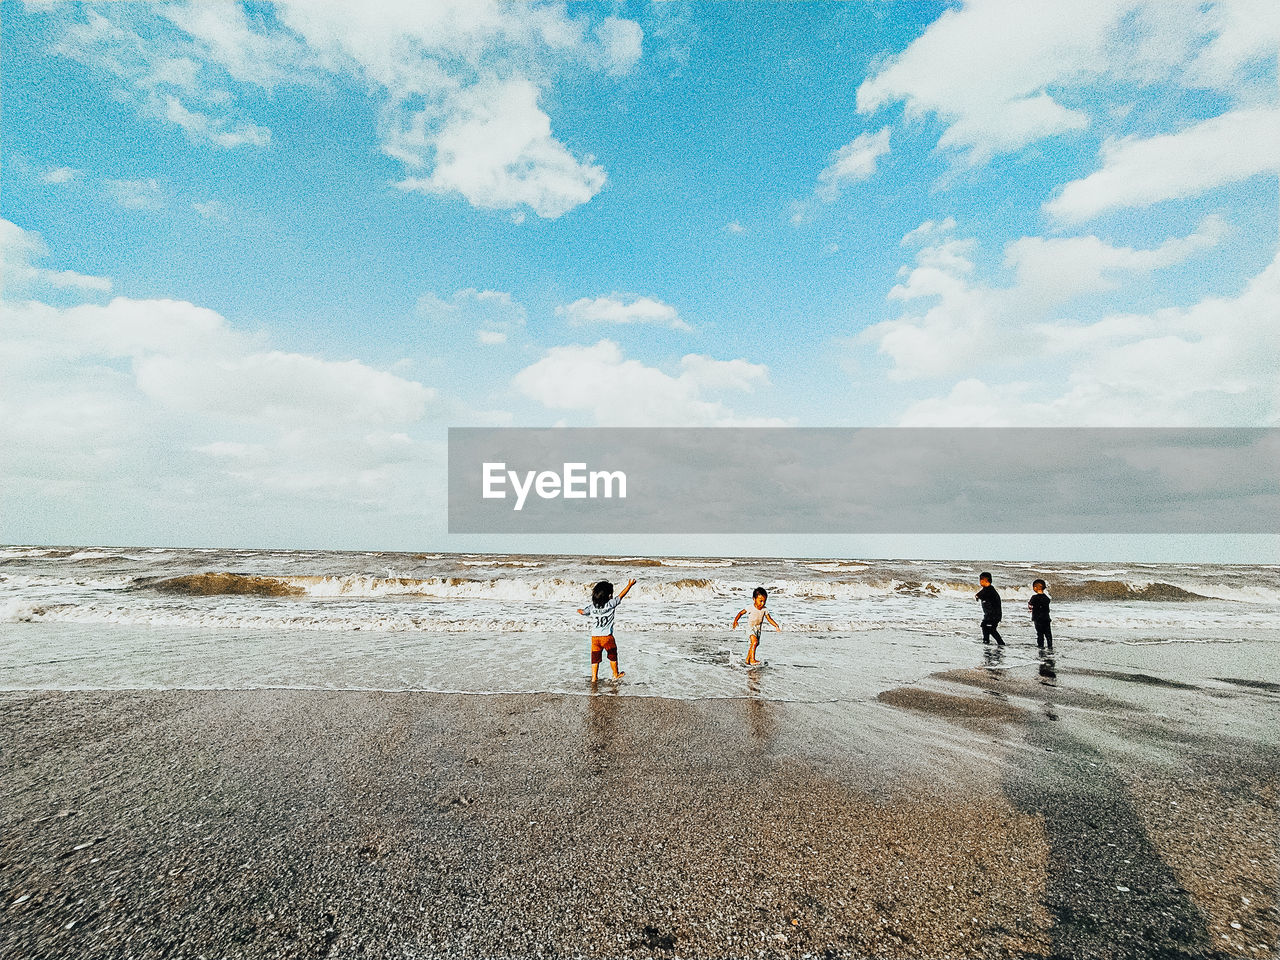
106,618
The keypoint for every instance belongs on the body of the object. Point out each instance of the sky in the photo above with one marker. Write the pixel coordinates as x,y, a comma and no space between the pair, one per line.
257,258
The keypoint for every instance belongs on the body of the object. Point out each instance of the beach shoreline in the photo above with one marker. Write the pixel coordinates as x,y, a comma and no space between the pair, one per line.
978,814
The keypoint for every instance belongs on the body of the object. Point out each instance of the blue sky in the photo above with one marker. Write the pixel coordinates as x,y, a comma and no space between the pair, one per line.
259,257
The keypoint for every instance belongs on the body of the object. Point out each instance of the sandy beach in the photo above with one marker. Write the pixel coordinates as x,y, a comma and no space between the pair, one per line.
355,358
981,814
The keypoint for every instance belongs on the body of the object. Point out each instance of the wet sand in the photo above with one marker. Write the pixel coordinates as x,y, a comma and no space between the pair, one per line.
981,814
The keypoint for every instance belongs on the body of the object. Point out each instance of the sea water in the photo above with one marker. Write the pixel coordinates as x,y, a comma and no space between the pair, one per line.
84,618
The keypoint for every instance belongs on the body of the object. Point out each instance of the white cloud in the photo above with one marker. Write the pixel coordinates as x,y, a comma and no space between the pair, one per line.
1139,172
281,388
1002,74
225,36
129,396
1243,32
497,151
599,381
158,70
613,310
141,420
126,328
622,42
983,69
21,249
457,84
853,162
1050,271
212,210
930,228
135,194
734,227
1210,364
709,374
494,304
201,127
966,322
494,314
972,403
231,450
59,175
120,403
60,429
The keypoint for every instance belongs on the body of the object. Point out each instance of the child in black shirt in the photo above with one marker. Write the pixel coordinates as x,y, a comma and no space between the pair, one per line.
1039,607
991,612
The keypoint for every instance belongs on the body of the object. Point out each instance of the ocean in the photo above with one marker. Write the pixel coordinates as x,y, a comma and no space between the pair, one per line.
96,618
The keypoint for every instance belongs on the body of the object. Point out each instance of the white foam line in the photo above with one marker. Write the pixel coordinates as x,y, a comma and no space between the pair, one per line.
588,691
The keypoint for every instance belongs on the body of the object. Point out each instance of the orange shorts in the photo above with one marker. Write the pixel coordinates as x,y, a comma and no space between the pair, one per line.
603,643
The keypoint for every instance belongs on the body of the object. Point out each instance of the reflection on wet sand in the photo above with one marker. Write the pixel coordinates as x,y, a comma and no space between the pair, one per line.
1048,669
760,712
602,714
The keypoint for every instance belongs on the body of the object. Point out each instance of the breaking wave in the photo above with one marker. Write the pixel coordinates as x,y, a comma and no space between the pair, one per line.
558,589
218,584
515,588
1121,590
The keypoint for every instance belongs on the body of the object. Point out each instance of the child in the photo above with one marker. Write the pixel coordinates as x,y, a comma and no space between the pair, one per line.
756,617
1039,607
991,613
604,605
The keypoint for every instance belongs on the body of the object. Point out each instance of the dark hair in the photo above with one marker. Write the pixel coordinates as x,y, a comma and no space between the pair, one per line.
759,592
602,593
984,575
1038,583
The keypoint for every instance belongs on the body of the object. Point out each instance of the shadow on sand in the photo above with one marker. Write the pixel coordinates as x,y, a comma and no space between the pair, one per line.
1109,892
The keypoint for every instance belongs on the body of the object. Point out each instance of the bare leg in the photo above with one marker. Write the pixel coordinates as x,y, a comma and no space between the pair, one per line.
751,650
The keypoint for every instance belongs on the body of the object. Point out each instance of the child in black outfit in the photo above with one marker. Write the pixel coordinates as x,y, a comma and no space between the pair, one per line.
1039,607
991,612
